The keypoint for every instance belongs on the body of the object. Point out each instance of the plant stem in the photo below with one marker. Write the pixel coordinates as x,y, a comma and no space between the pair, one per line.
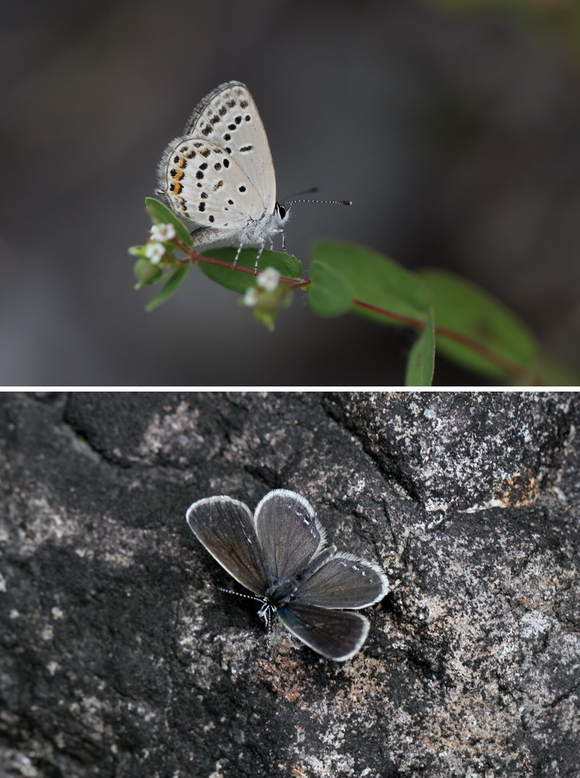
509,368
295,283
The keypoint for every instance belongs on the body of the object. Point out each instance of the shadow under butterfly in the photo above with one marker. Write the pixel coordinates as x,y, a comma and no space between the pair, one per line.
278,554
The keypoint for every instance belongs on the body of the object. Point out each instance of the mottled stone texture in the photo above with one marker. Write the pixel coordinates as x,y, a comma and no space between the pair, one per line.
120,657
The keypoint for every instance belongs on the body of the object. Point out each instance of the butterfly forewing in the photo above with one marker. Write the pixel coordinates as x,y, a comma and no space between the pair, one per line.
288,532
229,117
226,529
335,634
345,581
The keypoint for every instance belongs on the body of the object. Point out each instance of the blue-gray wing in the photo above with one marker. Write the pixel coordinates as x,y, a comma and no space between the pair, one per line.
344,581
288,532
337,635
226,528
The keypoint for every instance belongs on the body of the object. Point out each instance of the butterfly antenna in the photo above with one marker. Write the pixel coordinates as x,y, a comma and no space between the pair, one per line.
330,202
240,594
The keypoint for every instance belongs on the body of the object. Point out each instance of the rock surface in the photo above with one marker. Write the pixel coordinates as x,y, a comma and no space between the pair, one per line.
120,657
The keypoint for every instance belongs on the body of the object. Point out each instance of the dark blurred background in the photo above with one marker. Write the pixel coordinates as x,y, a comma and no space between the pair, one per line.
454,127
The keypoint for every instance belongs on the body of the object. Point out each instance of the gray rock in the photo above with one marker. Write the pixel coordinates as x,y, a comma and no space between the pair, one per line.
120,657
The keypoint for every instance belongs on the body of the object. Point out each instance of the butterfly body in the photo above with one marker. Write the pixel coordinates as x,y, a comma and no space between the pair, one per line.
281,593
219,174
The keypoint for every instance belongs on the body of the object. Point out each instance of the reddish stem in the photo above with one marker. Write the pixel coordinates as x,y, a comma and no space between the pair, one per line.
295,283
515,371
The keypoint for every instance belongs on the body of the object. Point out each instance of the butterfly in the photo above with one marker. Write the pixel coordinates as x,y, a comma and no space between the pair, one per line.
219,174
279,554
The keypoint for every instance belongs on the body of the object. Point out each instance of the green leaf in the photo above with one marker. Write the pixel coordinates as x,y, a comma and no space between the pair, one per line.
171,286
330,293
421,362
498,344
160,214
239,281
373,279
553,373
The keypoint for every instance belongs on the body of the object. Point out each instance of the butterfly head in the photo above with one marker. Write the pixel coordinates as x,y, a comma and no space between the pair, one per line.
282,211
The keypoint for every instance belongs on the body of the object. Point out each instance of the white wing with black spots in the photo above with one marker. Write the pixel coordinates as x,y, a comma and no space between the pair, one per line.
219,174
229,116
205,185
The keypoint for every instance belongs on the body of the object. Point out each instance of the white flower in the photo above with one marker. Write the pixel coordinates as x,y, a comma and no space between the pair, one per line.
163,232
251,296
154,252
268,279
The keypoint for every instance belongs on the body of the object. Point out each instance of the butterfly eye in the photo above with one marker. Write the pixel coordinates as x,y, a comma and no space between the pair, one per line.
281,210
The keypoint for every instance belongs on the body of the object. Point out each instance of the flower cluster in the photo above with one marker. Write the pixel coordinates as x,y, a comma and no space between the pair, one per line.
163,232
267,280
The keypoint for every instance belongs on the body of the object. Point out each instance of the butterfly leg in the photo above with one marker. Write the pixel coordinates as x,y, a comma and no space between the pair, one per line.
258,255
265,613
281,232
278,232
238,252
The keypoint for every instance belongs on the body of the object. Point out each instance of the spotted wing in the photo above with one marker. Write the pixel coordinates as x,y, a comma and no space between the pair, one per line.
335,634
226,528
205,185
229,117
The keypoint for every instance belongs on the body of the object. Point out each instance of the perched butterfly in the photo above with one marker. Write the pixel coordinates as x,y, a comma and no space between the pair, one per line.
219,174
278,554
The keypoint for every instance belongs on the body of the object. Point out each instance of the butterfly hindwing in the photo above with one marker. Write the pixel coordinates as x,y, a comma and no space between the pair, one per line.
344,581
206,185
335,634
